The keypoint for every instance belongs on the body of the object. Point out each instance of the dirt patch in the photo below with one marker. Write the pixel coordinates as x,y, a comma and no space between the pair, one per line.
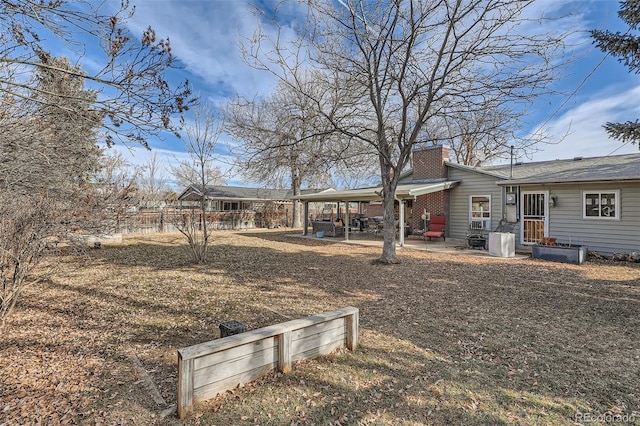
445,339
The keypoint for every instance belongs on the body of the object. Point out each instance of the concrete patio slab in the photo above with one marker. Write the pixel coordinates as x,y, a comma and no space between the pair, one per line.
450,246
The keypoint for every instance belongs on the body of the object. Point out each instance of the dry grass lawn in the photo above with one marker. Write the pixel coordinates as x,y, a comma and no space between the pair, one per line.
445,339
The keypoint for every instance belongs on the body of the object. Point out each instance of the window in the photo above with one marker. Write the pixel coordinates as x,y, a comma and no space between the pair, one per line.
601,204
230,206
480,209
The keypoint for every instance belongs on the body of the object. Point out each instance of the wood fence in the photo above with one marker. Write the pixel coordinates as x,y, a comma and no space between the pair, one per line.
210,368
165,220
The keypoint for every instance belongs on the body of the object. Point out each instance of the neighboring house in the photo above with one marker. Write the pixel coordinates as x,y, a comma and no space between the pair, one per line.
233,198
242,207
589,201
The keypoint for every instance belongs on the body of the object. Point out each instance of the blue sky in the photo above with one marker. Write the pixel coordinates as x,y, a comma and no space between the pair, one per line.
204,36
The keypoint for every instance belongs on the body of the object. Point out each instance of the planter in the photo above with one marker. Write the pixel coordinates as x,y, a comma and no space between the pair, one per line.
575,254
502,244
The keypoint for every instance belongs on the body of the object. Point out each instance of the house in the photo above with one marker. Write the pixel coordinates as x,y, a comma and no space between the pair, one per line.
232,198
588,201
233,207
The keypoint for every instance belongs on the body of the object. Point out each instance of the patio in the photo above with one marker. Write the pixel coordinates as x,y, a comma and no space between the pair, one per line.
414,242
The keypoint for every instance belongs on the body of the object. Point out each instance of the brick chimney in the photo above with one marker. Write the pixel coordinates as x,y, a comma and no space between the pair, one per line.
428,163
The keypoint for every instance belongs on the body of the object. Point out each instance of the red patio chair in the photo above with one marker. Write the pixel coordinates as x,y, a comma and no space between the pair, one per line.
436,229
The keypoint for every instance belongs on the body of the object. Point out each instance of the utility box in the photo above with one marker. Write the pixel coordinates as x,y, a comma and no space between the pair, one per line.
502,244
232,327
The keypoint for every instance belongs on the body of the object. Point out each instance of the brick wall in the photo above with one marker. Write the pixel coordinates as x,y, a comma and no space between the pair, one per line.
375,209
436,203
429,163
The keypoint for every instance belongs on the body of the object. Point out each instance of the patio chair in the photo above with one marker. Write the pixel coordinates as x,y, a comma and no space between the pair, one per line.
374,228
436,229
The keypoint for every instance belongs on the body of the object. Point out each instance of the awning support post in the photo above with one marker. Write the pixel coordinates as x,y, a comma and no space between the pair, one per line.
401,223
346,221
305,220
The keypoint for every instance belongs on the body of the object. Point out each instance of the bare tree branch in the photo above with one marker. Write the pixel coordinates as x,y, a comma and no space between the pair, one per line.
284,139
398,68
199,172
134,97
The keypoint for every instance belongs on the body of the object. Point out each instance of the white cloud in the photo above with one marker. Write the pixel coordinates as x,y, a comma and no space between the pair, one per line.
584,122
204,37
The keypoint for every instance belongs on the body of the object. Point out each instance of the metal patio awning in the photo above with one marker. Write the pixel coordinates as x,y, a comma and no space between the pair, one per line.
403,191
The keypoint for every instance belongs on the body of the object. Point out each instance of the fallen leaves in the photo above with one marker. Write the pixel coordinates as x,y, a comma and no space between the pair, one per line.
444,338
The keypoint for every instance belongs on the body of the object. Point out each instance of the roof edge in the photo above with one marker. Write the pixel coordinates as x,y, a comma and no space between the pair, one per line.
516,182
474,170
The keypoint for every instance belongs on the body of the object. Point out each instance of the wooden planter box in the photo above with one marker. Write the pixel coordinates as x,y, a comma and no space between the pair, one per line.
575,254
210,368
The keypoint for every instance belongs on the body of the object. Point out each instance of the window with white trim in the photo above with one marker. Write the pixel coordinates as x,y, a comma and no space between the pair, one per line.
601,204
229,206
480,210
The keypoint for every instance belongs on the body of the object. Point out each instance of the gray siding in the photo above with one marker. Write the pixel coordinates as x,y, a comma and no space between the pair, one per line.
471,184
601,235
566,223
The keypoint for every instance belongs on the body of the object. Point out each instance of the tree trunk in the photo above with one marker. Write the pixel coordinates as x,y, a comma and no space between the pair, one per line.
297,223
389,185
295,186
389,230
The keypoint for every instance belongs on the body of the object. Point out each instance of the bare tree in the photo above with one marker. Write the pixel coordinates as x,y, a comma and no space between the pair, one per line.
25,225
480,136
134,98
47,158
116,191
51,122
199,172
400,66
355,170
284,139
153,182
186,172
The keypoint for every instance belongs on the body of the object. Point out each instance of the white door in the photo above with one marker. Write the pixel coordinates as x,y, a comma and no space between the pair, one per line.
535,216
